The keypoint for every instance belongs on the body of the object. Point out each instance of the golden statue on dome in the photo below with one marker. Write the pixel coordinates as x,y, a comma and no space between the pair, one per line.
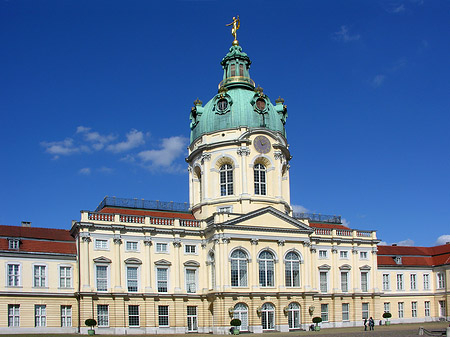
236,24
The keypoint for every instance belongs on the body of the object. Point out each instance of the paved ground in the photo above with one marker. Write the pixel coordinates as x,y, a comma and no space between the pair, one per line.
400,330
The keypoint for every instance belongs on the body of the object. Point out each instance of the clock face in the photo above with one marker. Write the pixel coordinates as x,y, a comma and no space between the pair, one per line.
262,144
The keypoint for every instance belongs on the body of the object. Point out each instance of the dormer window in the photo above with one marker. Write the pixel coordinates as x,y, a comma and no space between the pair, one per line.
13,243
398,259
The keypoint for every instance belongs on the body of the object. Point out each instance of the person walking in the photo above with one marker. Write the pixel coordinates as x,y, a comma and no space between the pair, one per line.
365,324
371,324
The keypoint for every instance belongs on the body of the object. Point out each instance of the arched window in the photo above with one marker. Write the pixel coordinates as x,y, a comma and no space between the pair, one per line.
241,312
292,270
212,265
294,315
268,316
259,172
239,262
226,180
266,269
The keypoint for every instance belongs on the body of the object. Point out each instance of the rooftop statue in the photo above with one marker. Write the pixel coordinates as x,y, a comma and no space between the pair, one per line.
236,24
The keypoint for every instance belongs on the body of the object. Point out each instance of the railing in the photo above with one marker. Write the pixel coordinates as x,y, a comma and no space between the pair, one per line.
318,217
237,79
101,216
189,223
132,218
161,221
343,232
365,234
322,231
143,204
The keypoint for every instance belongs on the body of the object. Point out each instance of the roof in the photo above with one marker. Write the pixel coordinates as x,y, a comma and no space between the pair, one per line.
158,214
327,225
38,240
414,256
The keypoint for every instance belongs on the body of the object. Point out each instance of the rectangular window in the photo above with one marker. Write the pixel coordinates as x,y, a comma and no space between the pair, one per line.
413,309
364,281
13,243
413,278
232,70
132,279
65,277
324,312
162,279
400,309
161,247
132,246
225,209
386,282
387,307
363,255
427,308
440,280
323,254
102,315
192,318
102,278
13,314
13,275
323,281
426,281
343,254
133,315
190,249
344,281
241,70
365,310
66,316
345,311
190,281
39,315
39,276
400,282
163,315
101,244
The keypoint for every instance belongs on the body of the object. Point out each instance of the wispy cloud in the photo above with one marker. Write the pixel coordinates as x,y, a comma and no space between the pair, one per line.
378,80
407,242
300,209
64,147
85,171
105,169
344,35
135,138
171,148
98,141
396,8
443,239
345,222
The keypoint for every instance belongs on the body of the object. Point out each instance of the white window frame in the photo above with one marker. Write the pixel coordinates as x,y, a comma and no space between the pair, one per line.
133,315
440,280
365,310
158,268
103,316
414,309
66,316
163,316
191,288
226,183
324,312
225,209
15,277
363,255
235,262
346,312
323,254
386,281
343,254
188,249
13,315
266,270
401,309
413,281
260,179
323,286
365,285
290,266
347,281
40,277
387,307
101,244
192,319
40,315
130,243
130,280
426,281
67,284
13,244
97,278
400,282
159,248
427,308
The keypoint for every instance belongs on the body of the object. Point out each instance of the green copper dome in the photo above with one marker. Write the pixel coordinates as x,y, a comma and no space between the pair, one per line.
238,103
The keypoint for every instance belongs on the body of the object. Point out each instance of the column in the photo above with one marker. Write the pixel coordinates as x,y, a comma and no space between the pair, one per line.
205,157
254,266
334,286
226,275
118,263
85,266
355,271
314,271
279,155
279,267
219,264
243,152
148,264
191,189
177,267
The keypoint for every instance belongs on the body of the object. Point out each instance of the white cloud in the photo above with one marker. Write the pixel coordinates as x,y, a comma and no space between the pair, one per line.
300,209
345,222
395,9
344,35
105,169
407,242
443,239
64,147
383,243
171,148
86,171
134,139
98,141
378,80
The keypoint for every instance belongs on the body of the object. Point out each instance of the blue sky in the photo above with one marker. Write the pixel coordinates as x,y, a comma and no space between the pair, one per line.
95,99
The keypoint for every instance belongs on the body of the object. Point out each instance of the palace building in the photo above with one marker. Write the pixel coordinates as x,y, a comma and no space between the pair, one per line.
236,250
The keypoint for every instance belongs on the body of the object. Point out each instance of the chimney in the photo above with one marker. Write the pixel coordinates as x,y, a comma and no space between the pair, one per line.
26,223
394,245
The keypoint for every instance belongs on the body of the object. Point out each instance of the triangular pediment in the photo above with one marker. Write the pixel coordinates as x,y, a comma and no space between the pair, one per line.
269,218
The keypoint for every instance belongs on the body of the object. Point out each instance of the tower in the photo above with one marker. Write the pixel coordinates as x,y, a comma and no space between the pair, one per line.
238,153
